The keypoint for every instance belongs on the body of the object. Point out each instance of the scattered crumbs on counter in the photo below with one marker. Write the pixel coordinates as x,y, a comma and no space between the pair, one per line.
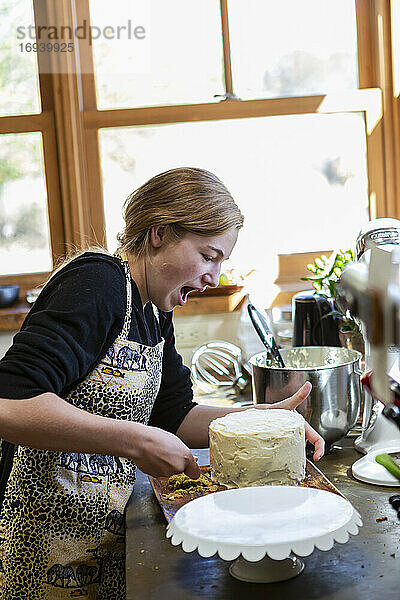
380,519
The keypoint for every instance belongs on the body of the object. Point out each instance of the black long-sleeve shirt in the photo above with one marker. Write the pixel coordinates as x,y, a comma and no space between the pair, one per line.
69,329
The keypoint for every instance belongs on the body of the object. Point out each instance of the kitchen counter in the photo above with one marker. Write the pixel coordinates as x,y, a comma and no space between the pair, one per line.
363,568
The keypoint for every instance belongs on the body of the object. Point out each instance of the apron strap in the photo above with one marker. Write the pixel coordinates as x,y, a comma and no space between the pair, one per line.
121,254
156,313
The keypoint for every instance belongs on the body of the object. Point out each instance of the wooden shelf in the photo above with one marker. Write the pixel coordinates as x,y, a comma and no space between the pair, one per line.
11,318
199,305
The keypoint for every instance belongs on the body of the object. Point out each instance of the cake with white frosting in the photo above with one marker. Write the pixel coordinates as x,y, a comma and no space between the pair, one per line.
258,447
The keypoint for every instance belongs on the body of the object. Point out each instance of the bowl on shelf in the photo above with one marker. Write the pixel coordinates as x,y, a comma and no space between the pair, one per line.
8,295
32,295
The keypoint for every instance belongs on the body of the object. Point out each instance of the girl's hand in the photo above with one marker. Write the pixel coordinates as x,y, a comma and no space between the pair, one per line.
162,454
290,404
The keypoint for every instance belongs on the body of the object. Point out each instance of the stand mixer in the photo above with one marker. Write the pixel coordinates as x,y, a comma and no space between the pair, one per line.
372,293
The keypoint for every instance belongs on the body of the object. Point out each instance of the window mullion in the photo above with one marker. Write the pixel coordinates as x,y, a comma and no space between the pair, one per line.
54,204
89,102
229,94
367,76
349,101
375,70
383,25
25,123
395,74
69,127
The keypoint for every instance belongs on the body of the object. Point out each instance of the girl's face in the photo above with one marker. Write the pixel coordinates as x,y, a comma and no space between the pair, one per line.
177,268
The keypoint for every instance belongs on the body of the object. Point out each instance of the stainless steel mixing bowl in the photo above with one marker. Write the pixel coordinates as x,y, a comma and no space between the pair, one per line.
333,405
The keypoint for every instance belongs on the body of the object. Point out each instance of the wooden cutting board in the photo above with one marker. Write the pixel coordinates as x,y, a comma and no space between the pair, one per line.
313,479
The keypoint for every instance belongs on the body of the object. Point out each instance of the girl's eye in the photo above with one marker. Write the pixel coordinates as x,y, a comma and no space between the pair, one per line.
207,258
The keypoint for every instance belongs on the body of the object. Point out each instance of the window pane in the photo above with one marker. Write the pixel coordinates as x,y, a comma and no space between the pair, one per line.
178,61
299,180
292,48
24,230
19,83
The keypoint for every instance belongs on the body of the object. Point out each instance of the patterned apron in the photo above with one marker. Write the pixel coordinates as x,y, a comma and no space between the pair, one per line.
62,525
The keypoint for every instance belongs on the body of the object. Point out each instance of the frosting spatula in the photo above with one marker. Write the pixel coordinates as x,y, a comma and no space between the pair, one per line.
265,334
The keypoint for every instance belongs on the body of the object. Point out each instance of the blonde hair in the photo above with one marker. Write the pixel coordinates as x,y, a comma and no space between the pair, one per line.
187,199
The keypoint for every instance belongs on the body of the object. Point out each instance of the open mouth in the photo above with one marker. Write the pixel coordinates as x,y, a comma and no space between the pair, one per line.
184,292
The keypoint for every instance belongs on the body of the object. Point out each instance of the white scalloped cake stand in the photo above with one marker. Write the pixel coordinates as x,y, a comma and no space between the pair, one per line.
264,526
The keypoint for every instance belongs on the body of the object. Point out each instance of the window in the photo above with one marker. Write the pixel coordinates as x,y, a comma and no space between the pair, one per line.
293,48
176,58
31,222
300,180
306,133
19,87
24,231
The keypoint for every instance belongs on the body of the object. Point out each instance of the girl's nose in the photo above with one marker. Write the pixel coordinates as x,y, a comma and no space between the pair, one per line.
211,278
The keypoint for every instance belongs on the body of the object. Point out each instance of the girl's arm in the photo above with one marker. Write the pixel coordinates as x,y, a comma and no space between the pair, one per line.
50,423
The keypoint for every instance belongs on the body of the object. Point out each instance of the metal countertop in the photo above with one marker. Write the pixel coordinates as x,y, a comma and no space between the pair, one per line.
360,569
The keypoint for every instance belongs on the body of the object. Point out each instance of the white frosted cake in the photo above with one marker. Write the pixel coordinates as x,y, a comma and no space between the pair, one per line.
258,447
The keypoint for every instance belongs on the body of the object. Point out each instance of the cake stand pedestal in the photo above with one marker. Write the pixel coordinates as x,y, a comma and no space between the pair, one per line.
264,528
266,570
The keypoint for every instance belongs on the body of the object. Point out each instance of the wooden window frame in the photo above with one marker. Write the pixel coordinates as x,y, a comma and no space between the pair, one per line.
41,123
70,122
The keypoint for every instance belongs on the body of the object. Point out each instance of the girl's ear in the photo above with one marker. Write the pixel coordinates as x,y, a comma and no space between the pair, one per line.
158,235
